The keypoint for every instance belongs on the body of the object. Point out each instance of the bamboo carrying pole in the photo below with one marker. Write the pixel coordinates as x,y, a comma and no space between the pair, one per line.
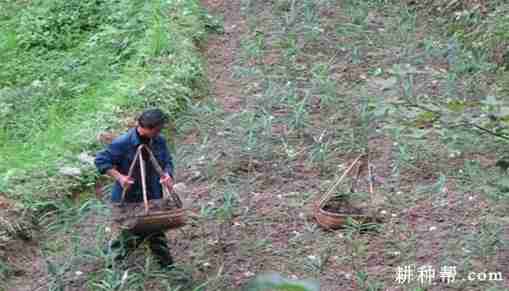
166,192
370,174
327,195
143,182
130,173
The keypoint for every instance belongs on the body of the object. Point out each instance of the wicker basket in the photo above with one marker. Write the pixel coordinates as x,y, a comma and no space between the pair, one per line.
331,220
160,220
169,214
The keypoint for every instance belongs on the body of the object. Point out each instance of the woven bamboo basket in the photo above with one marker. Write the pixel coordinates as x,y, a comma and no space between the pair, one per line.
169,214
161,220
332,220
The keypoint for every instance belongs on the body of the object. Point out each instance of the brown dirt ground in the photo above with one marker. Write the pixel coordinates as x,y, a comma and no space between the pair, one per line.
221,53
276,220
264,238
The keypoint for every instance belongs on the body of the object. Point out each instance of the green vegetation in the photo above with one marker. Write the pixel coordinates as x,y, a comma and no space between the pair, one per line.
274,281
72,69
421,88
327,80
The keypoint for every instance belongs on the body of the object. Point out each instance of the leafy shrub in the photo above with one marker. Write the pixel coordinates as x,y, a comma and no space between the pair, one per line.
58,24
478,27
274,281
71,68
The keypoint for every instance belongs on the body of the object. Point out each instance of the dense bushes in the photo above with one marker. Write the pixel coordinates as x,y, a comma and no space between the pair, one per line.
71,69
479,25
59,24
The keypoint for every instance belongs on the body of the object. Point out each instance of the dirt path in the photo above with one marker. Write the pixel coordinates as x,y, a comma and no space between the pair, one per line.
221,53
273,231
252,206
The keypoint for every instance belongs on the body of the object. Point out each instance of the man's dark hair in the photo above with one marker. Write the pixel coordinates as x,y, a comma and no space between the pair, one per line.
152,118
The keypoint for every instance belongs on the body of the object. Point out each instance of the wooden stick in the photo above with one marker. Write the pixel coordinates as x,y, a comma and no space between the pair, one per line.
156,165
166,191
326,197
129,174
370,178
143,182
158,169
355,181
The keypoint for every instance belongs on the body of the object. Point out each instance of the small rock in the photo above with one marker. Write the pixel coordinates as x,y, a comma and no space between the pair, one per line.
374,19
196,175
124,277
187,202
105,137
230,29
37,83
70,171
85,158
181,188
384,84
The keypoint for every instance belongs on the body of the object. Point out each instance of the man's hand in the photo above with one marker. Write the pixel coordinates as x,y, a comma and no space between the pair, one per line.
167,180
125,181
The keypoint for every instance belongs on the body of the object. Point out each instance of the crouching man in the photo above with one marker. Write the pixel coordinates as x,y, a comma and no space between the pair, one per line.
115,160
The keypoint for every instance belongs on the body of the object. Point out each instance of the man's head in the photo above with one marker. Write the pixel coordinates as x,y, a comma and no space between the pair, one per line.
151,122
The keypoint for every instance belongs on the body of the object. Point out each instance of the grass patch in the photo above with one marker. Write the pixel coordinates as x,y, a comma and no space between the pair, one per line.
75,69
70,71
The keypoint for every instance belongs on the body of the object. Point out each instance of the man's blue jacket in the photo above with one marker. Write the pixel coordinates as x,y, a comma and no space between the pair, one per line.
120,154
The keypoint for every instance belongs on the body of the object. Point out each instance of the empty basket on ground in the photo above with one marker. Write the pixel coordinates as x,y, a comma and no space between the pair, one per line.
331,220
151,215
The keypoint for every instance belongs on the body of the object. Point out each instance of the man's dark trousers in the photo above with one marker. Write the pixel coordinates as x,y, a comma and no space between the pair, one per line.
128,241
120,153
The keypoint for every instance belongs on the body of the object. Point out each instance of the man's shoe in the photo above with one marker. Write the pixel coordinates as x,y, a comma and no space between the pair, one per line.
167,268
167,263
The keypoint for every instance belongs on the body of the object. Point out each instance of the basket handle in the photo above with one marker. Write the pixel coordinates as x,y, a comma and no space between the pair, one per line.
166,191
159,170
137,157
327,195
143,182
130,173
